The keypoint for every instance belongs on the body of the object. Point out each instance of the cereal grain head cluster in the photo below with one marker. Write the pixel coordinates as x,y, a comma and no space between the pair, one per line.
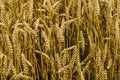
59,39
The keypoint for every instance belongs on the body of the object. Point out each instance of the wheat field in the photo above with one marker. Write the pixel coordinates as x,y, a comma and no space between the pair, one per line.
59,39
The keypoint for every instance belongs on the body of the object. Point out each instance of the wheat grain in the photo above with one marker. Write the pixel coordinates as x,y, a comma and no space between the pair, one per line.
82,41
104,52
80,71
47,42
79,10
31,9
109,64
86,67
9,45
98,58
57,60
96,8
25,66
60,35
